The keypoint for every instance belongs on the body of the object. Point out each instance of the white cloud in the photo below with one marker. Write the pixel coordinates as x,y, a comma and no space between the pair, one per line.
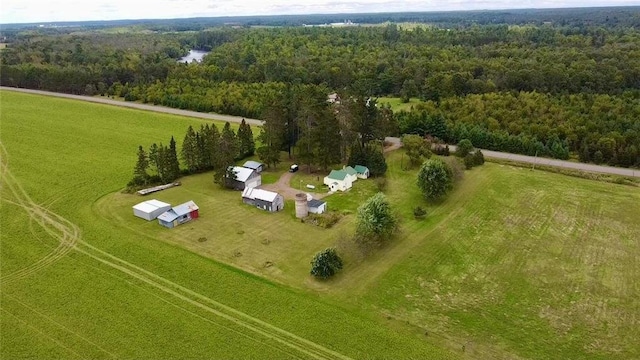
18,11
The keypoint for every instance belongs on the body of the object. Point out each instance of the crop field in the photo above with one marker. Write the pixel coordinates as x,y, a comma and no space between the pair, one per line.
513,264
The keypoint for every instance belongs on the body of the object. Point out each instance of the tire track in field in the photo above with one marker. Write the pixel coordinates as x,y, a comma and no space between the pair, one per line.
69,236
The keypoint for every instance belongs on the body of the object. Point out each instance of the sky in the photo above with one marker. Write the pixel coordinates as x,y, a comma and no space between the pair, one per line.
30,11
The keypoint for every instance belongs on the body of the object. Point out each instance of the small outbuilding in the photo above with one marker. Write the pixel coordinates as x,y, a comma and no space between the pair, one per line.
362,171
338,180
179,214
254,165
150,209
244,178
317,206
263,199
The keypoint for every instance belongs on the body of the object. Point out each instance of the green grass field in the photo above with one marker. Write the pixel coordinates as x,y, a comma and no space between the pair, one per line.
514,264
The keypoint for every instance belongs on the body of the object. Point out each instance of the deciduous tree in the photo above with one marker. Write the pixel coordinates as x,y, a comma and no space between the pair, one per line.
375,222
435,179
416,148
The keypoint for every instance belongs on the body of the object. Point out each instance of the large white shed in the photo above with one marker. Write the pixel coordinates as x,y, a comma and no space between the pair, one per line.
150,209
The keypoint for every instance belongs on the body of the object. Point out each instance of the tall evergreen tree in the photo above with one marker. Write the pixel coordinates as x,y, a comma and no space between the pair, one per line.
153,157
272,135
227,152
190,150
365,119
173,164
326,140
245,137
140,174
164,170
211,141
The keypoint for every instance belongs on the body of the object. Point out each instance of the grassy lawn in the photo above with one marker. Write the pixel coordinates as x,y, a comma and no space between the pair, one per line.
301,179
513,264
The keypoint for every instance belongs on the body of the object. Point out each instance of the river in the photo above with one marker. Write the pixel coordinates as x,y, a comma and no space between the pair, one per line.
194,55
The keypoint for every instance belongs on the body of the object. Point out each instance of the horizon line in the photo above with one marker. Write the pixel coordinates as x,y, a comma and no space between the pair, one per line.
314,14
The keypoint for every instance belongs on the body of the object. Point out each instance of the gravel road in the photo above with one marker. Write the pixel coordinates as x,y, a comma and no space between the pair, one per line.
549,162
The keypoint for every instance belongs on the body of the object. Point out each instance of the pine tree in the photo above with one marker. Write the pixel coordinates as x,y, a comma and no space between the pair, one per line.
189,150
245,137
366,119
326,140
173,164
163,164
140,175
271,136
211,139
227,152
153,157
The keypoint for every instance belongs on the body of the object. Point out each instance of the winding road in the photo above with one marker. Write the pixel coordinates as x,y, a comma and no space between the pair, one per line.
396,141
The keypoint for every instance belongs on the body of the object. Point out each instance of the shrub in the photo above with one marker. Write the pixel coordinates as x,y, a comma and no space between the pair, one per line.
326,220
478,157
326,263
469,161
442,150
464,148
419,212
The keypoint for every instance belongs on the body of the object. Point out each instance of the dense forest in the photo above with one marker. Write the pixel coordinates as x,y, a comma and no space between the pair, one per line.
553,83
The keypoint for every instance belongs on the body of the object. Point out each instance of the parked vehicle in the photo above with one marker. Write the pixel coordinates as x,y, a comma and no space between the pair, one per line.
293,168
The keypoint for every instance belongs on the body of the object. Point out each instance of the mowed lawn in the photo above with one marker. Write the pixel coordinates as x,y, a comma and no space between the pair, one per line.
513,264
125,290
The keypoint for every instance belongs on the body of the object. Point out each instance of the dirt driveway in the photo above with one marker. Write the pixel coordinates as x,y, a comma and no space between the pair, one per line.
283,187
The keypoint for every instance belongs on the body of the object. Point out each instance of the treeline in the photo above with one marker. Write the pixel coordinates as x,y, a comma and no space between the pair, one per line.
91,63
203,150
426,62
601,16
598,128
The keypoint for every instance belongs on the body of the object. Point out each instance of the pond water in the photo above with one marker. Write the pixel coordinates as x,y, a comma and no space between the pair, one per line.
194,55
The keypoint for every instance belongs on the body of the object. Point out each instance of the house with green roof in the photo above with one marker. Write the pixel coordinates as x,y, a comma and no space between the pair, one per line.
362,172
338,180
351,172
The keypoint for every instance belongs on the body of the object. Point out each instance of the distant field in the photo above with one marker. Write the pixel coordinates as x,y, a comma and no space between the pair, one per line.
397,104
514,264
